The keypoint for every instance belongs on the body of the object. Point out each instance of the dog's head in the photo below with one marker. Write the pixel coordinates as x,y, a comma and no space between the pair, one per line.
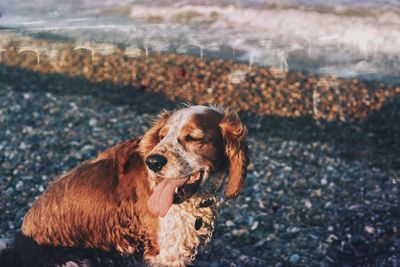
190,151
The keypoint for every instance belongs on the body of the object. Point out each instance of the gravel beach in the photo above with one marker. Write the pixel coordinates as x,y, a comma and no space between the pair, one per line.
324,179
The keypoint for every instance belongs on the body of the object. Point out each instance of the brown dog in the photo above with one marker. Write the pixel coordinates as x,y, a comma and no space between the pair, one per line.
154,196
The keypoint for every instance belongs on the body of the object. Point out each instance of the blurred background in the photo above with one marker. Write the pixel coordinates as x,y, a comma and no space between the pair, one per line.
317,83
349,38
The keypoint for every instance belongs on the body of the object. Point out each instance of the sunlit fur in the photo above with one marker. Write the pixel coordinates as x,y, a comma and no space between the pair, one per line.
99,204
102,203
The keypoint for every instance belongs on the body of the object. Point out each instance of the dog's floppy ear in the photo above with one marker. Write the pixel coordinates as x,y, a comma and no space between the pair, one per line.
150,139
234,133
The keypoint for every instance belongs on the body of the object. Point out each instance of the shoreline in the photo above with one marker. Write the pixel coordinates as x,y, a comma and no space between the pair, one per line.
189,78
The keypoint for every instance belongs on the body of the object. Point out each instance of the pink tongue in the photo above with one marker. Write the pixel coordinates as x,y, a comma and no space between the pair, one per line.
163,196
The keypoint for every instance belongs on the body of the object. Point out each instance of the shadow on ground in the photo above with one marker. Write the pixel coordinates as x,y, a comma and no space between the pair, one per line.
376,138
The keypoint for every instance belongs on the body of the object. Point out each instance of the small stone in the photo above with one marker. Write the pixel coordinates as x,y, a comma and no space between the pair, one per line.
251,220
295,258
324,181
250,167
260,243
323,248
77,155
329,259
287,169
27,129
22,146
229,223
19,185
277,226
254,226
87,148
244,258
41,188
331,238
11,225
294,229
27,96
237,76
313,236
71,264
92,122
308,204
10,191
369,229
316,193
239,232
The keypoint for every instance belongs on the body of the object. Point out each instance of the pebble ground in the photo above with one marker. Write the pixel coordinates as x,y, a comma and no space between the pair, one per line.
324,179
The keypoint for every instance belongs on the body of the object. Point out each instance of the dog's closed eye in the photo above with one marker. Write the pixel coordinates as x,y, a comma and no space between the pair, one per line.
190,138
195,135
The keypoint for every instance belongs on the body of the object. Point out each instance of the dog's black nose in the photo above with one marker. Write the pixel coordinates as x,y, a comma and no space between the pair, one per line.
155,162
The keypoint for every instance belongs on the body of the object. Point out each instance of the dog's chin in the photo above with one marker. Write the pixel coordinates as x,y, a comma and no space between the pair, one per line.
191,185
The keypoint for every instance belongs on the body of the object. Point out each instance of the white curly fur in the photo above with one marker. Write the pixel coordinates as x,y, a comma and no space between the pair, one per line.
178,239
